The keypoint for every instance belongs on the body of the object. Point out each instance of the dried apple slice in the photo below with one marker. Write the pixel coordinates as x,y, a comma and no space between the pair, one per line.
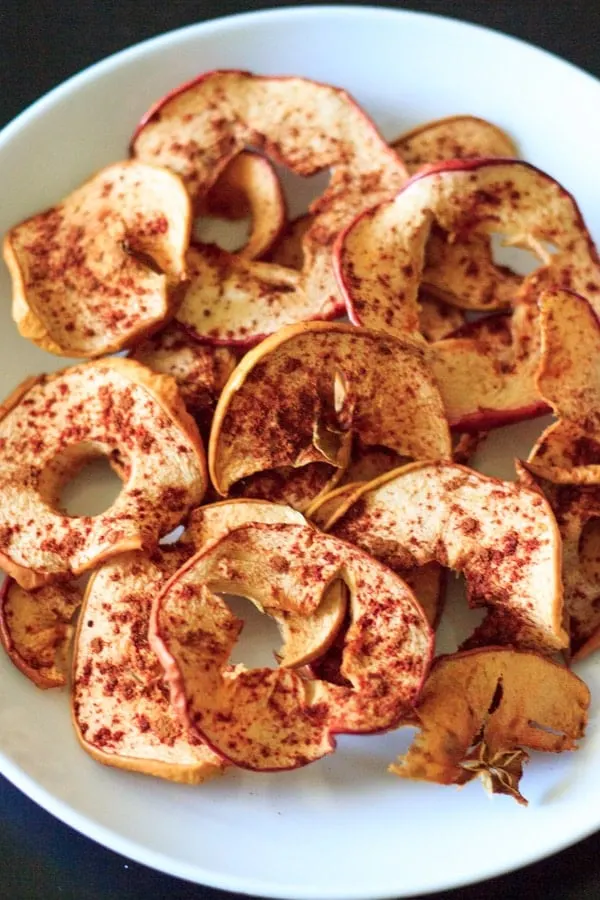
453,137
303,639
274,719
479,710
249,188
300,396
380,257
201,371
288,249
198,128
569,450
101,269
502,536
36,629
321,511
120,706
52,425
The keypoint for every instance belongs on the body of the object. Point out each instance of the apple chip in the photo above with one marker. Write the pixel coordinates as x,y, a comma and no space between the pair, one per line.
52,425
101,269
302,394
478,715
121,708
36,629
249,188
380,257
303,639
454,137
197,129
569,450
201,371
502,536
274,719
288,248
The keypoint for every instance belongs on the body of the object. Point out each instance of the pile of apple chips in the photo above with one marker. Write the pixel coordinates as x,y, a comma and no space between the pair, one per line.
341,369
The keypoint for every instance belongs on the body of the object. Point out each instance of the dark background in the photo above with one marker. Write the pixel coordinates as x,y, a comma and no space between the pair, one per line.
42,42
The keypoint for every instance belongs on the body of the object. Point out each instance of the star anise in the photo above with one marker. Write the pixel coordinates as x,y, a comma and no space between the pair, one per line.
500,772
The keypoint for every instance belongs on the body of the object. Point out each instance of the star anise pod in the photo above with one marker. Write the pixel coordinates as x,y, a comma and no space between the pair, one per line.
500,772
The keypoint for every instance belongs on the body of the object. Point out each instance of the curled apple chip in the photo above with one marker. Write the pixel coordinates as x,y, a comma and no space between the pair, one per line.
380,257
288,248
300,396
52,425
196,131
502,536
201,371
303,639
275,719
101,269
120,705
249,188
481,710
569,380
454,137
36,629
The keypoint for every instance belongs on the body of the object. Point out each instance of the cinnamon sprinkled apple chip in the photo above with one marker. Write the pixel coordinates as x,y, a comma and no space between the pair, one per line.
36,629
198,128
300,396
478,712
101,269
274,719
380,260
501,535
120,705
52,425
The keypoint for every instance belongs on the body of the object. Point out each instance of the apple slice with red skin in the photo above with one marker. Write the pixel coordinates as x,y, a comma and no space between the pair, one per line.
249,188
568,452
198,128
501,535
380,264
380,256
453,137
121,711
300,396
303,639
480,709
274,719
105,267
36,629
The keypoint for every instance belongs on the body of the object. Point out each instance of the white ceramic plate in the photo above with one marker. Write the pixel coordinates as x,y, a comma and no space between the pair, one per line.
342,828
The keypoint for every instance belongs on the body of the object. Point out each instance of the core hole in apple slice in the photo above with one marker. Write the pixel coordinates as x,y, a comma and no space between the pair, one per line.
93,489
260,638
299,191
519,260
458,621
227,234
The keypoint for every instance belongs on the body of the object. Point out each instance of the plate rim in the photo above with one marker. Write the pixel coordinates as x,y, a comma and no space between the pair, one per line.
27,784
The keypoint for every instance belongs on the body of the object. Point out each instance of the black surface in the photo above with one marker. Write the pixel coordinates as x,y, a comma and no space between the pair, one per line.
42,42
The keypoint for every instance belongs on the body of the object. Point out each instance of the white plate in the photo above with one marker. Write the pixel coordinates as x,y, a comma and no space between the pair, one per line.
342,828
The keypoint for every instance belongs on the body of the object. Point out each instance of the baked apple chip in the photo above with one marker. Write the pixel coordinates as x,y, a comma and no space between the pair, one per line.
52,425
275,719
120,705
380,260
453,137
103,268
299,397
303,639
249,187
198,128
201,371
568,451
479,713
502,536
36,629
